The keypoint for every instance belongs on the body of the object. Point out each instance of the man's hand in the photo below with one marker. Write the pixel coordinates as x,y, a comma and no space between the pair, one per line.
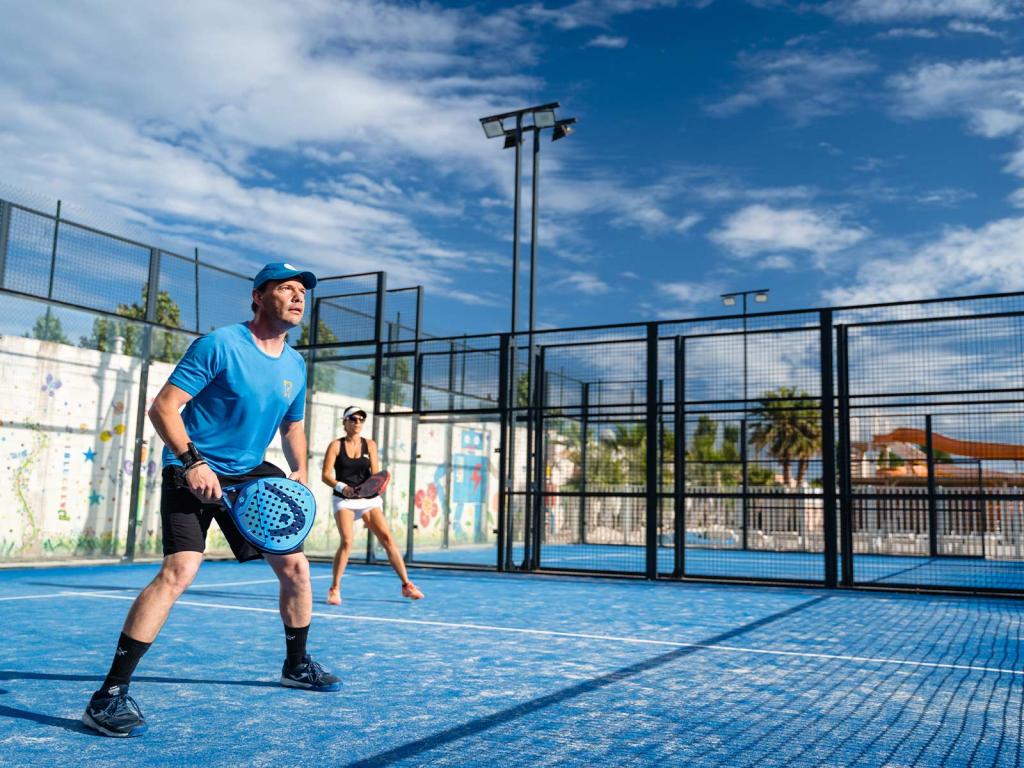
299,477
203,483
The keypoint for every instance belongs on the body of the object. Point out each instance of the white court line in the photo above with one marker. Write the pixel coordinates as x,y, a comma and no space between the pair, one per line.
584,636
49,595
266,581
246,583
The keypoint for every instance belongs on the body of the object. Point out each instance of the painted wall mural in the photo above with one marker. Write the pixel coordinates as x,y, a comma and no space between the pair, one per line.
67,443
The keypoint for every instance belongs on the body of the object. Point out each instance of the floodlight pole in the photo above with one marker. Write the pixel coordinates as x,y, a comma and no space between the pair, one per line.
494,128
515,229
535,186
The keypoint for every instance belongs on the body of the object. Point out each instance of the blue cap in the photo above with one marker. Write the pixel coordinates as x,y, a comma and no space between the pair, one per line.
279,270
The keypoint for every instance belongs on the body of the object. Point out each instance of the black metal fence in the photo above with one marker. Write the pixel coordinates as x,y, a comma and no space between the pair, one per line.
864,446
861,446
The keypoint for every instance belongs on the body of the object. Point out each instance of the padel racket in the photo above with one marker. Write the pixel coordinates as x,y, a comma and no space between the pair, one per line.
372,486
274,514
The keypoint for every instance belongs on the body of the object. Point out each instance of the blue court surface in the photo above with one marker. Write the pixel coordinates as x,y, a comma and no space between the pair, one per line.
519,670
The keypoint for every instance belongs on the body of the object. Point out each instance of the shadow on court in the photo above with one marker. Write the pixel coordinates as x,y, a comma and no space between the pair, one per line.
482,724
66,723
13,674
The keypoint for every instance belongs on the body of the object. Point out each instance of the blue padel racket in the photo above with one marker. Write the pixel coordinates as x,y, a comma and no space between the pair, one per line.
273,514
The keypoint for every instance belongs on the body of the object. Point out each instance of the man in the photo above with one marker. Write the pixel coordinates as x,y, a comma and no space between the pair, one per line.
238,386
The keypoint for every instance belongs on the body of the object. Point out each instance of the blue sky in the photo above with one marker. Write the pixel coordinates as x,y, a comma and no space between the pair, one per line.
835,152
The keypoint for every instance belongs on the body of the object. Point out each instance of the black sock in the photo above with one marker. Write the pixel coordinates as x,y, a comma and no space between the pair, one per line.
127,656
295,640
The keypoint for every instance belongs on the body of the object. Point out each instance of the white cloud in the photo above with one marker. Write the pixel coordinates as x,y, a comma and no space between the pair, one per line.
163,117
591,13
962,261
899,33
804,84
687,222
973,28
608,41
583,282
868,11
988,94
689,294
760,229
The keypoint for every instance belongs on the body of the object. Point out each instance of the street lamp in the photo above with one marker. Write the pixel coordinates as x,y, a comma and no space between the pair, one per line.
512,125
729,300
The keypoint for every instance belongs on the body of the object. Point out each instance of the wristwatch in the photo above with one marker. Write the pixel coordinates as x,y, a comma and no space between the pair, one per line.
190,456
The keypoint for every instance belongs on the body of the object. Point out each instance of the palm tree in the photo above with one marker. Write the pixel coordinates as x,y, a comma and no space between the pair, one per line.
788,429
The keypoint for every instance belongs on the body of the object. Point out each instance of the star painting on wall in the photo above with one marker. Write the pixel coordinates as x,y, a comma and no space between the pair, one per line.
94,497
90,455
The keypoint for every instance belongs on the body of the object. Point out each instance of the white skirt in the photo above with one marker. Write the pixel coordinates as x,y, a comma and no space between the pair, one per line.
359,507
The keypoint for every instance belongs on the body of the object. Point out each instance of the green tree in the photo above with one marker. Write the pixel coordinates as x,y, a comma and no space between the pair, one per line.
396,380
48,328
323,374
788,429
166,345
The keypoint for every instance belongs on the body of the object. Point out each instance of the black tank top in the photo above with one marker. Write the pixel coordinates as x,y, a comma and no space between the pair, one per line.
352,471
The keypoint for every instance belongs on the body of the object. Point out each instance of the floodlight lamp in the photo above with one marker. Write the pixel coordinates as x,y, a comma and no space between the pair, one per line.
544,118
510,140
761,297
562,129
492,128
729,301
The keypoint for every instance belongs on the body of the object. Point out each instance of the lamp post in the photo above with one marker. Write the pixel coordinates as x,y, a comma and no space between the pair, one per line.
729,300
511,126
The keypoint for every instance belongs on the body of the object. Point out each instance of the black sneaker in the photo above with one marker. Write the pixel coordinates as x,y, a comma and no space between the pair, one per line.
114,713
310,676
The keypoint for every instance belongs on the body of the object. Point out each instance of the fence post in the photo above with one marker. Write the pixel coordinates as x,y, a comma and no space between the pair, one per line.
378,337
933,506
653,406
584,436
843,460
679,487
539,484
378,376
152,291
828,449
504,518
53,255
5,229
449,435
414,428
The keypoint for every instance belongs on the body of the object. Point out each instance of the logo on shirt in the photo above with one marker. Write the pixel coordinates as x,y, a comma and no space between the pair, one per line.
286,388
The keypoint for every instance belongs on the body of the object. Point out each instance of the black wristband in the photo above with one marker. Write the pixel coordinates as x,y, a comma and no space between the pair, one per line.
190,457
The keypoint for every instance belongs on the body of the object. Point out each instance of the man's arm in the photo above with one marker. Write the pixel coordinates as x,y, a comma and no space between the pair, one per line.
293,443
165,414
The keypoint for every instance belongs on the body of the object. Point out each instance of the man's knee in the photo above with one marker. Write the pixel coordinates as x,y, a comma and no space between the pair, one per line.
177,573
293,570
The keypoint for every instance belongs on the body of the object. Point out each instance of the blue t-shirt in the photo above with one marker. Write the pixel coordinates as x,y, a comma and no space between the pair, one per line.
240,396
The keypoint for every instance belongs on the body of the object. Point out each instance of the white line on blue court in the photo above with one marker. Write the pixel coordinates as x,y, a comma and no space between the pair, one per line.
582,636
29,597
266,581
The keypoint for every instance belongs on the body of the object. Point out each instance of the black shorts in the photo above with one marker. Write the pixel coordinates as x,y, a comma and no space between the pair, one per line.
186,519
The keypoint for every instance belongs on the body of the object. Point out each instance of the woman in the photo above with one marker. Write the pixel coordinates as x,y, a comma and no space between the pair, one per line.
348,462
